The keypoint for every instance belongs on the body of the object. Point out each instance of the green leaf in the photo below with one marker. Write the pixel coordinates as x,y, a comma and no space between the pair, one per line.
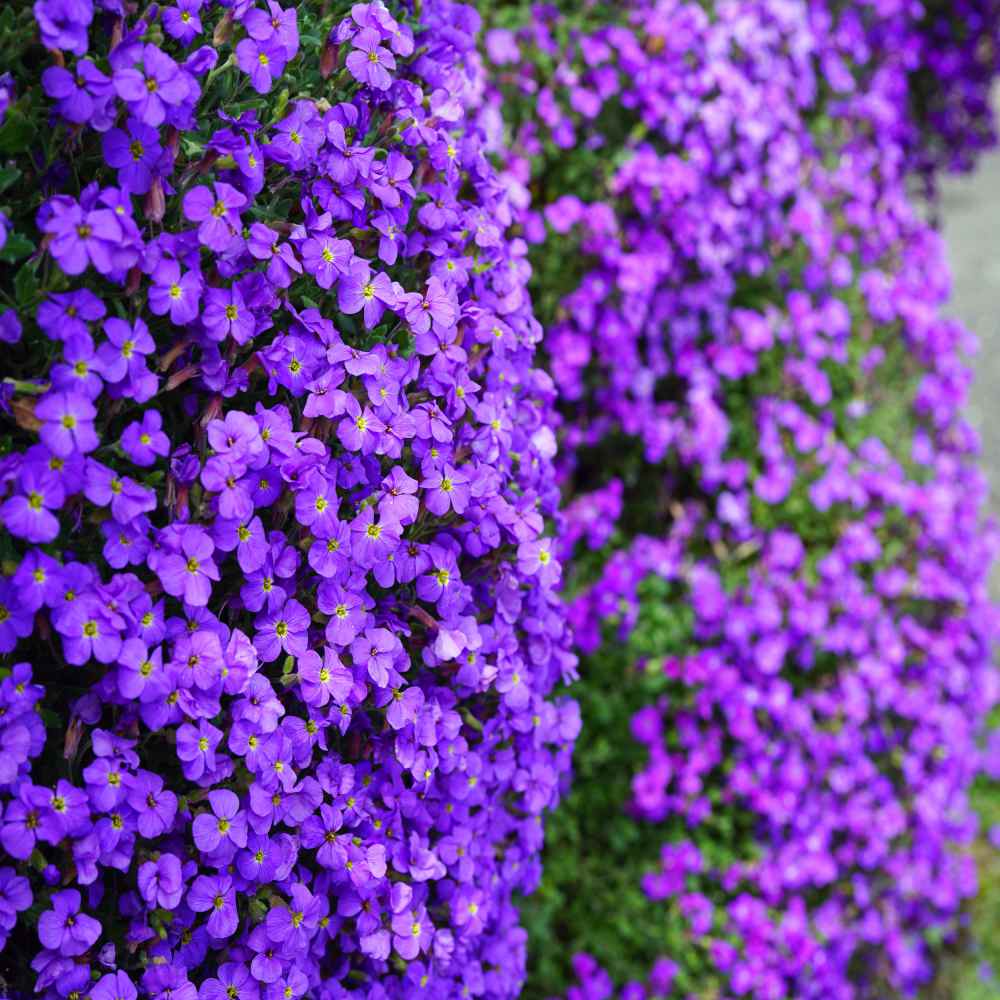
16,247
8,175
16,133
25,285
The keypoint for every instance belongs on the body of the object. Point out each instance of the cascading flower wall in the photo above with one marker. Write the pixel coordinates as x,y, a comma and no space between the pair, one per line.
278,611
774,519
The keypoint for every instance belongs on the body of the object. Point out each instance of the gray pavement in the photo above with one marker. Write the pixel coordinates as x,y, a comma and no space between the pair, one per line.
970,217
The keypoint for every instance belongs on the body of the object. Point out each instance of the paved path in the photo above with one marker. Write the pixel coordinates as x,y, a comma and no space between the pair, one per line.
970,213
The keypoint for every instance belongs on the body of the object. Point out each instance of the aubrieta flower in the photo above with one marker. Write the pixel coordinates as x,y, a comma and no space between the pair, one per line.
181,20
217,212
263,61
64,928
136,154
369,62
175,292
155,90
63,23
67,423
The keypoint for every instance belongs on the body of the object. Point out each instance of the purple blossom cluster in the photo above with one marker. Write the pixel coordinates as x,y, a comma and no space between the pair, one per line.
753,288
279,601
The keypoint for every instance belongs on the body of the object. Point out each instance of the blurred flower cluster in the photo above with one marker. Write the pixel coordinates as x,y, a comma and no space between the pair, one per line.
761,409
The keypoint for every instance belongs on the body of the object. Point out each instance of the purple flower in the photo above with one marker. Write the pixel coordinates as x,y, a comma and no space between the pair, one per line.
323,679
263,61
326,258
64,928
125,349
10,327
189,571
64,23
29,514
135,154
88,630
372,541
181,21
15,896
78,371
274,22
154,805
74,94
316,505
81,237
226,825
67,423
234,980
359,430
144,440
292,926
537,557
370,63
284,629
150,92
175,292
15,619
282,265
114,986
376,651
67,313
226,315
214,894
196,746
217,212
447,490
358,291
